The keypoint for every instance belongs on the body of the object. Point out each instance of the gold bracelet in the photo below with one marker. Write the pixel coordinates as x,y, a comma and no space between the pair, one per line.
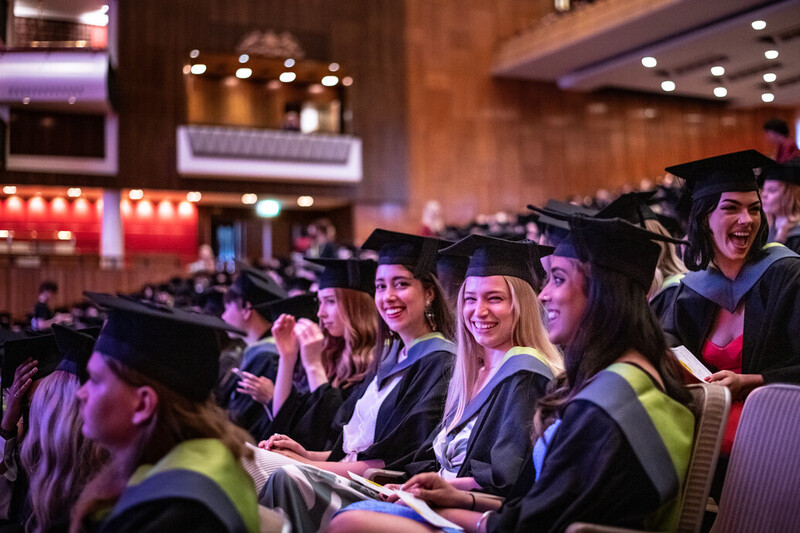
481,520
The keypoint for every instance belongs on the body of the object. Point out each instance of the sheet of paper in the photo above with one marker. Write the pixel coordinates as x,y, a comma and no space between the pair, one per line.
420,506
691,363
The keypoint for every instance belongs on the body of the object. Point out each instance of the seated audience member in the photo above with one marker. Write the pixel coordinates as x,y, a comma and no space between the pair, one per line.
738,310
56,460
335,355
613,436
174,456
260,357
396,408
780,197
777,133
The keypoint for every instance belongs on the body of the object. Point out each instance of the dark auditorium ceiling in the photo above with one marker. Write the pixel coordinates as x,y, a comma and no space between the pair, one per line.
686,37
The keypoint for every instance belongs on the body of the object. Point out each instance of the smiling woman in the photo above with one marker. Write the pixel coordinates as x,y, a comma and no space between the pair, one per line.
738,311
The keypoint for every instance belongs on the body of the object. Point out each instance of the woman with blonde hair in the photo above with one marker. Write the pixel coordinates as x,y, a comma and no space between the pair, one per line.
780,198
335,355
55,457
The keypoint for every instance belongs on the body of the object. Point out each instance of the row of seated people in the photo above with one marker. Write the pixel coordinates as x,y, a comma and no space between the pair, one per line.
517,425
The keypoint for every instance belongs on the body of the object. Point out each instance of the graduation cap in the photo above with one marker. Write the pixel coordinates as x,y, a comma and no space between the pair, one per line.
787,172
76,348
42,348
174,347
414,252
497,257
356,274
723,173
556,227
302,306
614,244
632,206
257,287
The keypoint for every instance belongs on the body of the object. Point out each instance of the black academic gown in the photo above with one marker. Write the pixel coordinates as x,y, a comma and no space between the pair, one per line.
500,440
771,344
594,472
793,240
581,481
308,417
409,415
260,359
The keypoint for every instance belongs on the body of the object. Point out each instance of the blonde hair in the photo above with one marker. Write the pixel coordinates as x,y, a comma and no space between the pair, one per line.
528,330
55,455
788,215
347,362
669,264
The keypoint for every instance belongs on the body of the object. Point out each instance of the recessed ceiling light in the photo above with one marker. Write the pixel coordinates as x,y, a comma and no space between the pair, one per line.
244,73
287,77
717,71
136,194
649,62
289,63
74,192
769,77
347,81
668,85
268,208
758,25
330,81
305,201
720,92
198,68
333,67
249,198
244,58
194,53
771,54
10,189
767,97
193,196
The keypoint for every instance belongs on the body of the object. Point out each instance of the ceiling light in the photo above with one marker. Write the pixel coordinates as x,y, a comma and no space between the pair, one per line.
720,92
758,25
668,86
289,63
333,67
244,73
194,53
771,54
71,100
198,68
64,235
10,189
244,58
4,234
649,62
26,100
273,85
104,9
136,194
187,69
330,81
287,77
717,71
74,192
193,196
316,88
268,208
769,77
767,97
347,81
305,201
249,198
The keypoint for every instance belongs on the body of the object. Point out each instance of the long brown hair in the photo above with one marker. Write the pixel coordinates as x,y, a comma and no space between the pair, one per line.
617,320
176,419
55,455
347,359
